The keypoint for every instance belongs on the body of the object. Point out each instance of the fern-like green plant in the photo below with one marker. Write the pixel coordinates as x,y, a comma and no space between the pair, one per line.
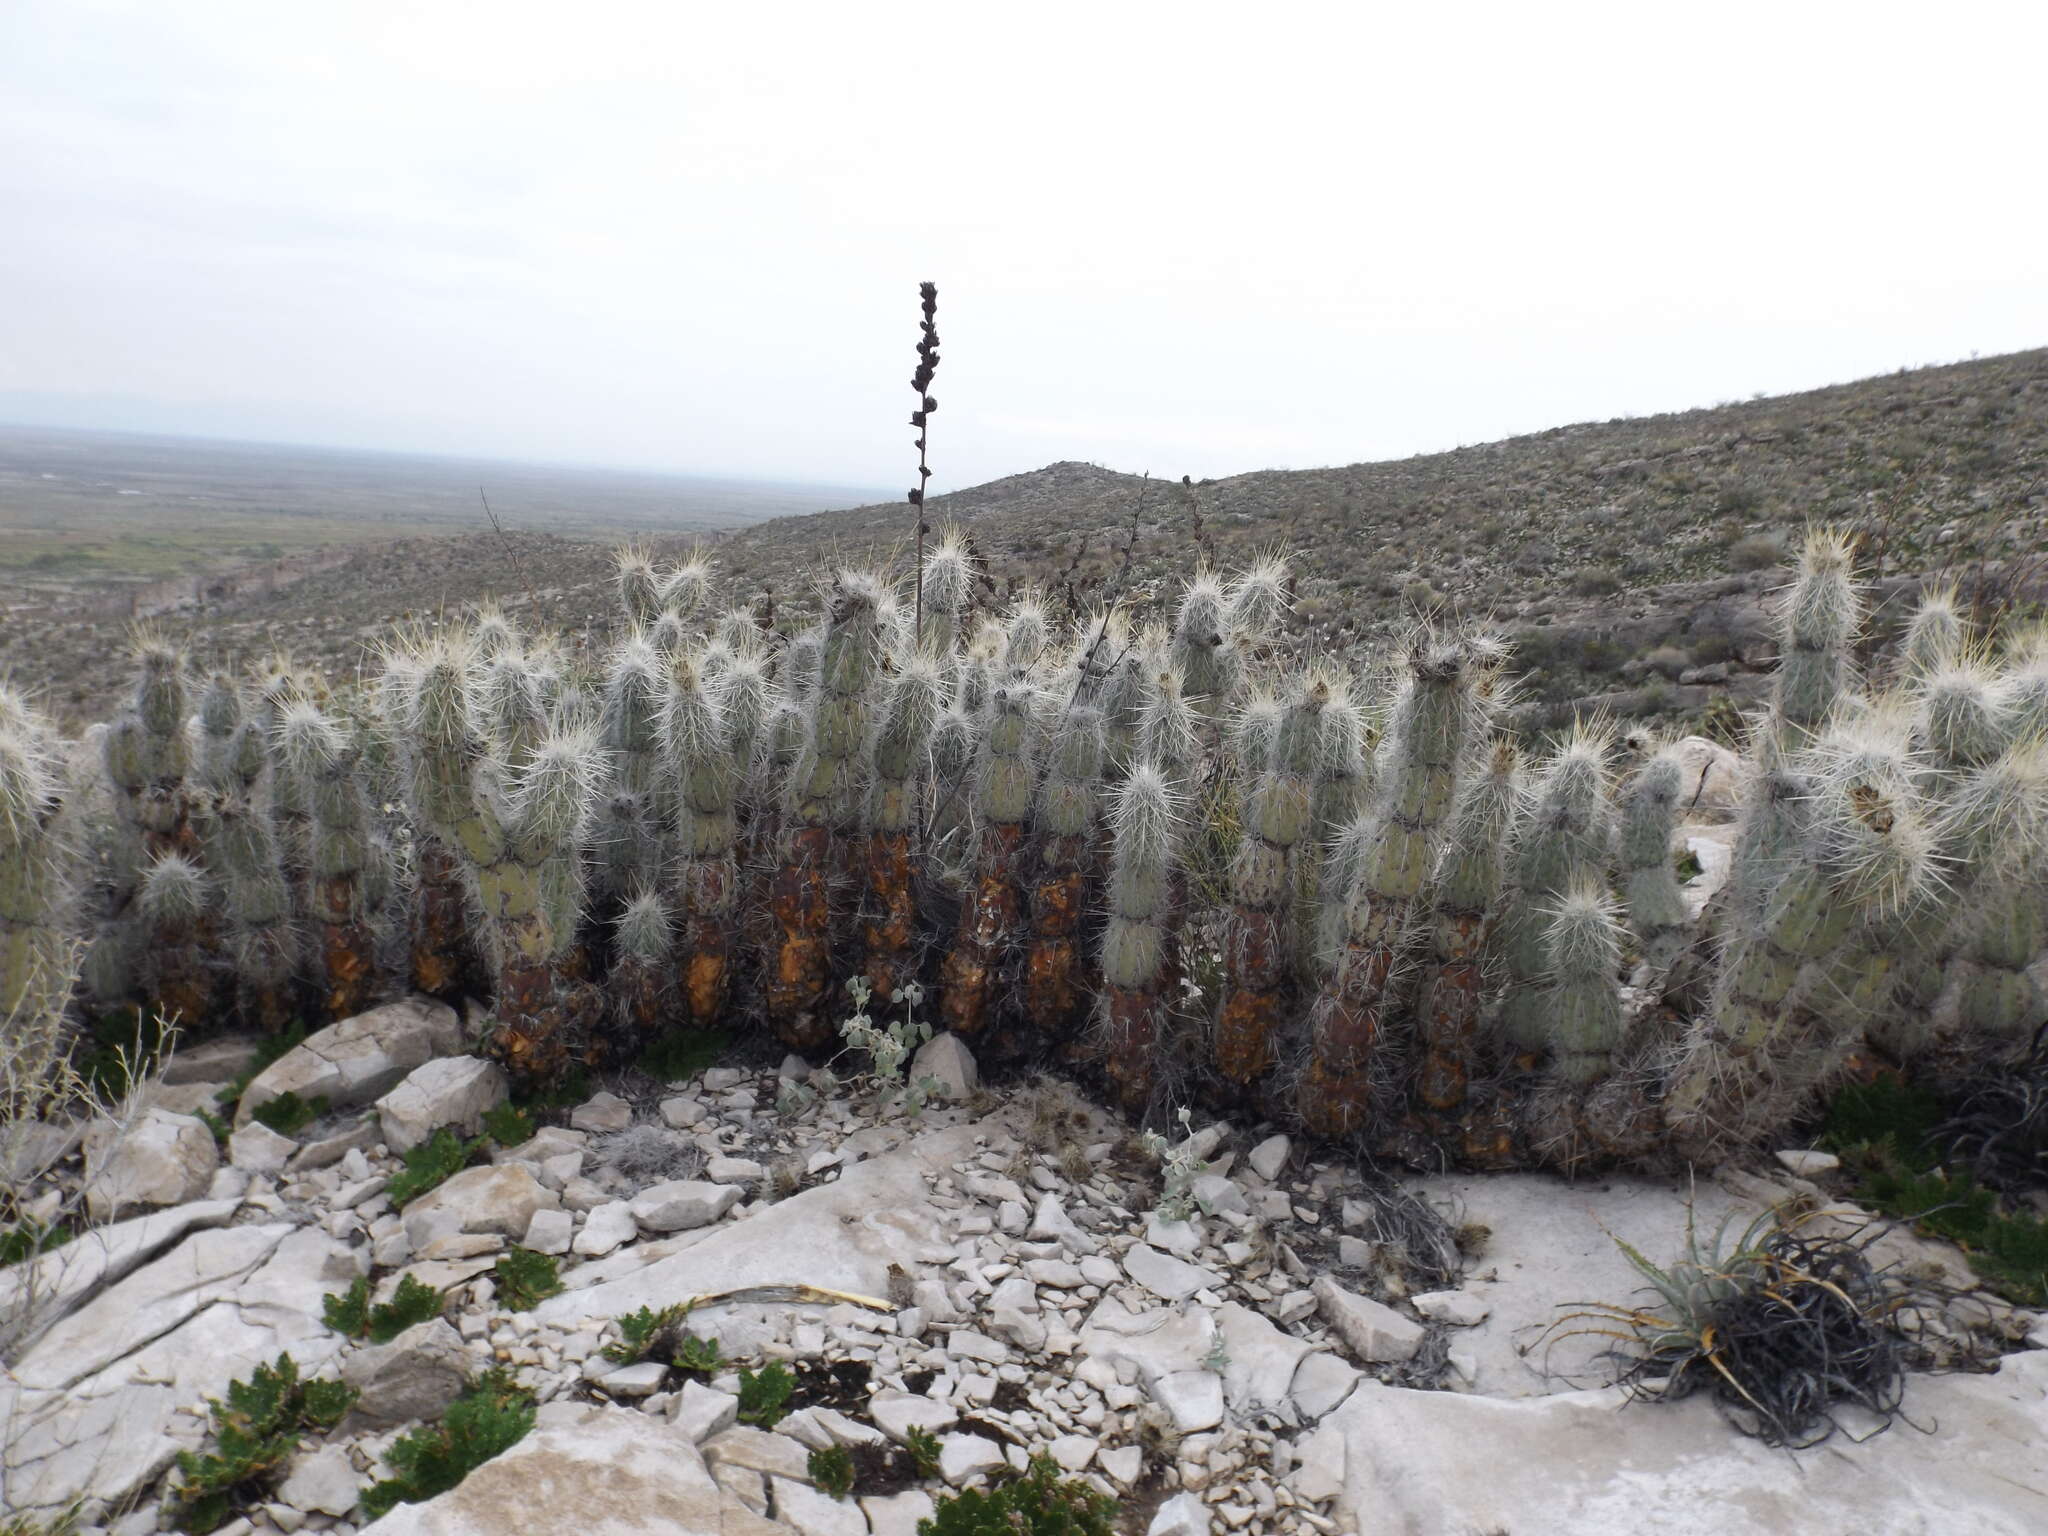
1036,1502
642,1332
923,1446
508,1125
433,1162
288,1114
764,1395
524,1278
255,1432
349,1312
832,1470
486,1421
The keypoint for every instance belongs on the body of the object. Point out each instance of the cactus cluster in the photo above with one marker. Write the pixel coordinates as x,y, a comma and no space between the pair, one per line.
1143,842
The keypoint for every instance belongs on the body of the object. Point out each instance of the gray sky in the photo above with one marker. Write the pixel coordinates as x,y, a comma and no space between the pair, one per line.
1167,238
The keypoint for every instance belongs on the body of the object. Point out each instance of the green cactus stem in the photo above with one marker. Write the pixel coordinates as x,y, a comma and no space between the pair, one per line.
34,957
1055,985
909,710
1423,749
1137,941
704,734
991,916
1649,817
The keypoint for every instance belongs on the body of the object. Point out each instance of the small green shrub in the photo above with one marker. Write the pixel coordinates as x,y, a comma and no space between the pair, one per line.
832,1471
1596,581
508,1125
486,1421
255,1433
431,1163
923,1446
288,1114
641,1332
1038,1502
523,1278
349,1312
764,1397
17,1243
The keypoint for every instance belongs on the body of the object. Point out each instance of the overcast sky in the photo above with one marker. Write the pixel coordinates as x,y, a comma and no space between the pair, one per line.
1166,238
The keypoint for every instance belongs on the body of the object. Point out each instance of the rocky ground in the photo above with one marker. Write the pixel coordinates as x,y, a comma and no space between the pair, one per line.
1311,1350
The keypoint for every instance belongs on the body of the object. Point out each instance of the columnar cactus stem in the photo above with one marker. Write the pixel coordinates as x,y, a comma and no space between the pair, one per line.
686,591
991,917
910,707
639,586
1468,880
824,802
628,829
34,977
1259,945
256,902
322,753
1581,1004
1868,853
181,982
1205,646
1563,837
1137,943
1649,816
948,580
641,987
1935,635
1422,752
1054,991
704,735
1964,718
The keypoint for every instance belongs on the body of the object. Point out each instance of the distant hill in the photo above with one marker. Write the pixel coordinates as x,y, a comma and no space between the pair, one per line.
1629,558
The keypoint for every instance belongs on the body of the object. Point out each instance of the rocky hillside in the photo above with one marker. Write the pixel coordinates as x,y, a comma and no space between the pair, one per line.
1628,558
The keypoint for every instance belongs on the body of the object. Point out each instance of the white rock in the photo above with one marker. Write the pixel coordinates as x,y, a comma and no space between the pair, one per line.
1193,1398
454,1091
415,1376
641,1379
256,1148
967,1344
1461,1309
811,1513
1051,1223
322,1483
946,1058
896,1414
1713,779
1168,1278
1320,1459
164,1159
500,1198
1055,1274
1321,1382
1809,1165
898,1514
758,1450
1216,1194
1178,1237
1182,1515
683,1111
604,1471
605,1229
360,1058
734,1170
681,1204
1269,1157
549,1232
1073,1452
1123,1463
1262,1360
965,1456
1372,1330
701,1412
601,1113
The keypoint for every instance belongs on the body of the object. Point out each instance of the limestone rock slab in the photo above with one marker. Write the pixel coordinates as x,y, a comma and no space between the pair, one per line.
358,1059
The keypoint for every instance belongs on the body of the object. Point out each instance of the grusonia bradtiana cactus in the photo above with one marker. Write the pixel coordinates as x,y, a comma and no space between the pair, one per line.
34,893
1649,816
703,727
1467,890
1055,989
992,911
1282,745
823,802
1138,961
1563,835
322,753
1421,754
1205,647
179,978
908,710
948,579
